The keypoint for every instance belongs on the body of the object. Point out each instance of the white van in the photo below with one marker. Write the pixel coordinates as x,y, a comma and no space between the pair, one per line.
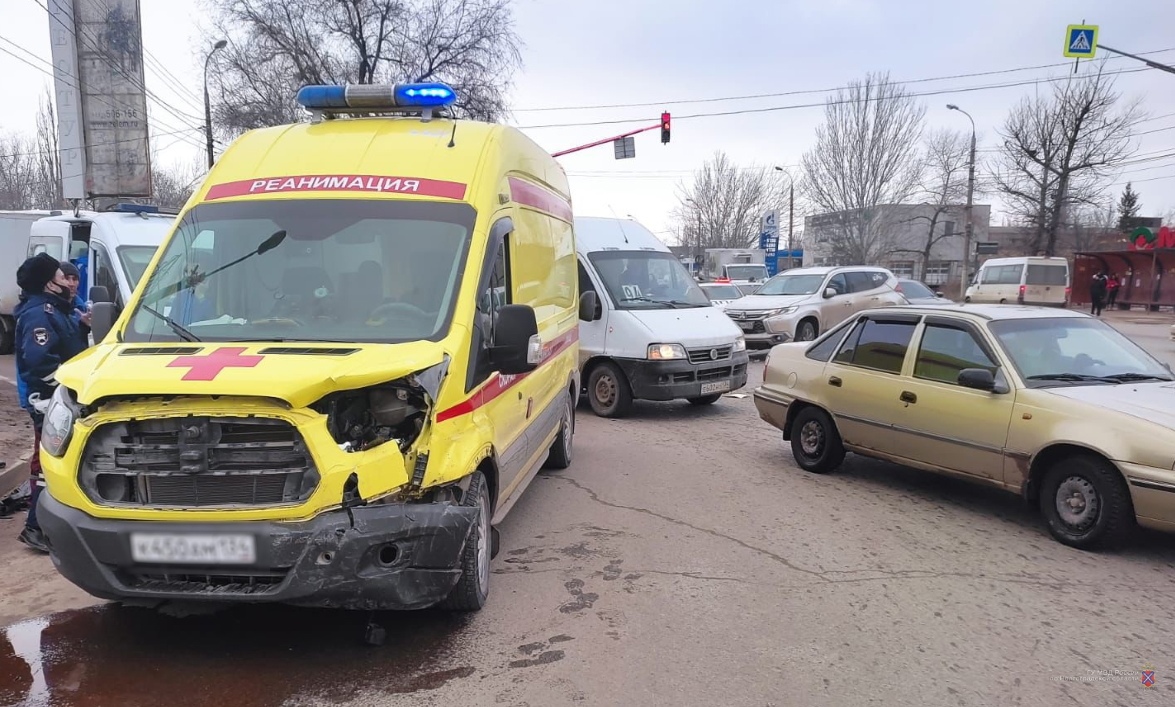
1027,280
112,249
656,335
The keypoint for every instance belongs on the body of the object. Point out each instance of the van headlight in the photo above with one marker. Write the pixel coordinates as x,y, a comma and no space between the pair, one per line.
57,427
740,344
666,352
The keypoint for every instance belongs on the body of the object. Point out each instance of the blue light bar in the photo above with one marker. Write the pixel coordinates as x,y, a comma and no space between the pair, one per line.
135,208
375,97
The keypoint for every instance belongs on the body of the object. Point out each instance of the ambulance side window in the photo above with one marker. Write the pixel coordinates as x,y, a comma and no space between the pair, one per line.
490,300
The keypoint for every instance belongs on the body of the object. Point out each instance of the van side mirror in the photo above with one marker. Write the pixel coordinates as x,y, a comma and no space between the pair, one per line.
977,379
590,308
829,293
517,347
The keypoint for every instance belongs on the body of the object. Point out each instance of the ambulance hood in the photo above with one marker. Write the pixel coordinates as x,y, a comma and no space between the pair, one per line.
297,373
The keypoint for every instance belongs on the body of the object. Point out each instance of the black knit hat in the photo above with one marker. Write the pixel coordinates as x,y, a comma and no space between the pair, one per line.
36,272
69,269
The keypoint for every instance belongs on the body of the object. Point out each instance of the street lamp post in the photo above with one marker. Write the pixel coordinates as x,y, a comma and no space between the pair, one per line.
791,213
967,234
221,44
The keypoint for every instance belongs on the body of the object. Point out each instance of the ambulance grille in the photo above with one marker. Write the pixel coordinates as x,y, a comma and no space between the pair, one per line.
195,462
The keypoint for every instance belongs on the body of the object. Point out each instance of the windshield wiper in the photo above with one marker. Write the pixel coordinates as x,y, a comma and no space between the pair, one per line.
672,303
178,328
1123,377
196,277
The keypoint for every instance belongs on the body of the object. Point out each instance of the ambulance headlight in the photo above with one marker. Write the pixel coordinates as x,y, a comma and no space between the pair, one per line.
57,428
376,96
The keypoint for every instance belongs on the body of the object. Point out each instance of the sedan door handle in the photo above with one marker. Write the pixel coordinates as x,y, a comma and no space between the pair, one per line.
834,381
908,397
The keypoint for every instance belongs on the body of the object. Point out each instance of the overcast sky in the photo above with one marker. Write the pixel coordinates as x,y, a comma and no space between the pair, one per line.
678,54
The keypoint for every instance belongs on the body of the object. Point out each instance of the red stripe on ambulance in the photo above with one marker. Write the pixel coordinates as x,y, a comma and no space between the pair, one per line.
500,384
542,199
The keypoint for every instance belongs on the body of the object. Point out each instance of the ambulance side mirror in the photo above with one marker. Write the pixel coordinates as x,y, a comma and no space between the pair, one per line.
589,307
102,317
514,330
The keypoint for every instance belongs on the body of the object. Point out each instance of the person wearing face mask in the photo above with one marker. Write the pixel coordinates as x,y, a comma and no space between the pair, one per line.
47,335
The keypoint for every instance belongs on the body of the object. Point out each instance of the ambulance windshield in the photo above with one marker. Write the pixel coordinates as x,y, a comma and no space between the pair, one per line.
346,270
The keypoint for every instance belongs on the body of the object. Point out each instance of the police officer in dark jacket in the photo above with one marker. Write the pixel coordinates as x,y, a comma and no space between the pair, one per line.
47,335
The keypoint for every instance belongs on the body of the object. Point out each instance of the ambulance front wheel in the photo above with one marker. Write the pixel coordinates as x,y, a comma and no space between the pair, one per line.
608,390
474,586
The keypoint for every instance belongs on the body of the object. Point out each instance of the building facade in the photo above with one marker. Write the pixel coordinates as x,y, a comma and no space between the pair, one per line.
896,237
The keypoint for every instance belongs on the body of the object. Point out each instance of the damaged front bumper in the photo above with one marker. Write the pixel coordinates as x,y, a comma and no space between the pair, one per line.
393,556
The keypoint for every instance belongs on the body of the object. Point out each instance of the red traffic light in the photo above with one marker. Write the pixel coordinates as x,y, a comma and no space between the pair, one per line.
664,128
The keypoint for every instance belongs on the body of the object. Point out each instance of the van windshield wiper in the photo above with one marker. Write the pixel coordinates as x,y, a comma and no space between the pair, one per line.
178,328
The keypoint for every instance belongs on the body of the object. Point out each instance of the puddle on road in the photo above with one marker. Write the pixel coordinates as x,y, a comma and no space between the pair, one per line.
244,656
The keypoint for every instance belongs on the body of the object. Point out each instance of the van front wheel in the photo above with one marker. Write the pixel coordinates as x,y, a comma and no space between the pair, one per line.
608,391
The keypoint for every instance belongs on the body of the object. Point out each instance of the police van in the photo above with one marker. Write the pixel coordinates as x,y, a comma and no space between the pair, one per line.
354,352
656,335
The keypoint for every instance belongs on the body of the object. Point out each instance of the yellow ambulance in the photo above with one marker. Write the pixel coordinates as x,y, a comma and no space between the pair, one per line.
351,356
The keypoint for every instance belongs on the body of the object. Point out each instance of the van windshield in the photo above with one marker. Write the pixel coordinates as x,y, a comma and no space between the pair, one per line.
647,279
345,270
746,272
135,259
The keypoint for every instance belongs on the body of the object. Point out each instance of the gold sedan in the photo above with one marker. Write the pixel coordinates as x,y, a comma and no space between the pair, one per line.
1054,405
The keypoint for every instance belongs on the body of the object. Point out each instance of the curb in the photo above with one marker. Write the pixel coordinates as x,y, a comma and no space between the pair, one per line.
14,475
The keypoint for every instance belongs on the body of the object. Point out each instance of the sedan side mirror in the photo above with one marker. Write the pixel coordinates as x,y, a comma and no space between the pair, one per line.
938,294
829,293
517,347
977,379
590,308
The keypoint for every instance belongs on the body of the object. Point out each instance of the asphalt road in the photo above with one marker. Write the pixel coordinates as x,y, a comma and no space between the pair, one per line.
682,560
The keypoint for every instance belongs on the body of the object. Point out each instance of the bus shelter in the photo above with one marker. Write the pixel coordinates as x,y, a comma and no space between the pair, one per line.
1143,274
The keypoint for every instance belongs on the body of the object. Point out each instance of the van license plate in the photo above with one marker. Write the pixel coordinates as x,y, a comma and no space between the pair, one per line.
193,549
715,387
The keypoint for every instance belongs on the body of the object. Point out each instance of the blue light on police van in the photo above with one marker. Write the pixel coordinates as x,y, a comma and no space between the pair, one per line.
376,96
135,208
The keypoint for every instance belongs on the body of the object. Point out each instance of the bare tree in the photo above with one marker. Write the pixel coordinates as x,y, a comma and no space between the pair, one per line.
945,162
18,172
48,156
1059,149
173,185
866,155
723,205
277,46
1091,227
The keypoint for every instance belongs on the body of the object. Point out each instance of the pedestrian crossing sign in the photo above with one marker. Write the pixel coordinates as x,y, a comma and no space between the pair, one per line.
1081,41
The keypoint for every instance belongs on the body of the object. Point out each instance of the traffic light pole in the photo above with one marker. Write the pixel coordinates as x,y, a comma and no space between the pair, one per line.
1148,62
659,126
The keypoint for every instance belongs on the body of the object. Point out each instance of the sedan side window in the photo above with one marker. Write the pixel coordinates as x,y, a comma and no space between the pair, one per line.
879,345
947,350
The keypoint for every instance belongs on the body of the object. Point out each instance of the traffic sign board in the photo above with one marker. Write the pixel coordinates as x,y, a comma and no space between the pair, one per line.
1081,41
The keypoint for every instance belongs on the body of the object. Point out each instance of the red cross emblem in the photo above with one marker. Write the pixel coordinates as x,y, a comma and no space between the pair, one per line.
1148,678
206,368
